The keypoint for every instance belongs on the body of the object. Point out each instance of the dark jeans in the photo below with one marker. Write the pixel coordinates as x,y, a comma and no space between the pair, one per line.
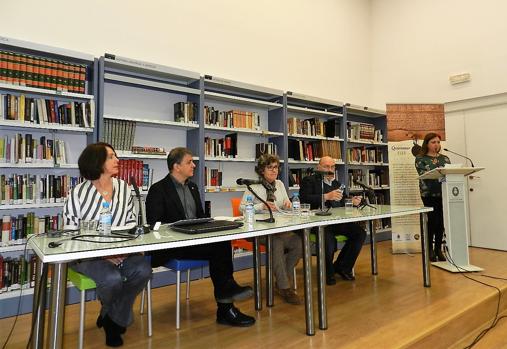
435,221
350,251
218,254
117,287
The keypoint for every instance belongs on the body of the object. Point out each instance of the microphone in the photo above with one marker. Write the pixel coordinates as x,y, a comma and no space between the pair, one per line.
243,181
463,156
362,185
142,228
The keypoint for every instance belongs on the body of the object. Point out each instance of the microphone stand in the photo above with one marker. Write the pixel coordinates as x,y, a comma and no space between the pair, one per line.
322,201
271,219
142,227
364,202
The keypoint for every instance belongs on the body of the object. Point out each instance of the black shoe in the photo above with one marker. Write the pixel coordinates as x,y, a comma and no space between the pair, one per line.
345,275
233,317
113,337
120,329
234,293
330,280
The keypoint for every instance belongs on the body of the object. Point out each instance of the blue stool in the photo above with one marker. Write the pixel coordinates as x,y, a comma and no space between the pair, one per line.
177,265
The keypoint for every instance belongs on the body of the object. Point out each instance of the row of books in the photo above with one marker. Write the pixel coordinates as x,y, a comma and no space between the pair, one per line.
148,150
363,131
373,178
313,150
24,149
35,189
186,112
221,147
40,111
232,118
213,177
16,273
119,133
314,127
16,229
296,175
136,169
363,154
265,148
36,71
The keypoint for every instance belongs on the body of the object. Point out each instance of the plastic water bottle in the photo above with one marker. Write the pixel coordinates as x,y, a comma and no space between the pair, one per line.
296,205
249,212
106,219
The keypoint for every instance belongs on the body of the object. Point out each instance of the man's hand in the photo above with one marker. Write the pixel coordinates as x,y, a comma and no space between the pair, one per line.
356,200
333,195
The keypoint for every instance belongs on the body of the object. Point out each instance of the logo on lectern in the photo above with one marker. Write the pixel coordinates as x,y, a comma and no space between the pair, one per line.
455,191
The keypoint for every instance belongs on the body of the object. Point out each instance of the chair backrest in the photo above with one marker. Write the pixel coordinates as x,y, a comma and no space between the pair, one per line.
235,202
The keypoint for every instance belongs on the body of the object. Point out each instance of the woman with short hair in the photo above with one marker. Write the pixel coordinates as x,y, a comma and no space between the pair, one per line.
287,247
119,279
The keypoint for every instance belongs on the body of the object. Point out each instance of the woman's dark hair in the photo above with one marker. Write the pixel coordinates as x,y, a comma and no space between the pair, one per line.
92,159
176,155
264,161
427,139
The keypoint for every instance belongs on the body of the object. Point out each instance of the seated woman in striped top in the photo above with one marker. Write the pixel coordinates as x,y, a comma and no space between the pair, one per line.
119,279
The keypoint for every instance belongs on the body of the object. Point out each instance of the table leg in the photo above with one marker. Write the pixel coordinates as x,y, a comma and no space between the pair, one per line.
57,306
321,269
373,248
39,304
307,270
269,271
257,274
425,249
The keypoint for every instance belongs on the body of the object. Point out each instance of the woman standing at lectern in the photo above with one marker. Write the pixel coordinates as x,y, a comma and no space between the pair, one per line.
431,192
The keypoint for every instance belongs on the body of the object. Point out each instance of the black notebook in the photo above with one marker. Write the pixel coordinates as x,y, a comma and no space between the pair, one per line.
206,227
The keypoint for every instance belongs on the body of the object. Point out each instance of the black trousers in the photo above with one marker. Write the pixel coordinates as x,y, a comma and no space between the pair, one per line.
435,221
350,251
218,254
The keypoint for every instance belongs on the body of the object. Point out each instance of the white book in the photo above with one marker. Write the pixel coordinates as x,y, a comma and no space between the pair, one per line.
40,111
73,114
85,116
92,113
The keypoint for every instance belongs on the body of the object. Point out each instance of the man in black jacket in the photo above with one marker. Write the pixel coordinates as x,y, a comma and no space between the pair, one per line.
311,193
174,198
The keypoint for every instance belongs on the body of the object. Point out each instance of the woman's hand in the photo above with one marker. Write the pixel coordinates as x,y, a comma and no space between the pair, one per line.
116,260
271,205
287,204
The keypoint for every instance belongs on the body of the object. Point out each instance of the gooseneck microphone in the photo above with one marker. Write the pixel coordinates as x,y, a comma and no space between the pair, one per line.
243,181
142,227
364,186
463,156
248,183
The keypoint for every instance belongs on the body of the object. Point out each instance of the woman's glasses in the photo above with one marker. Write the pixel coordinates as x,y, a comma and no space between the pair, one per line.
273,167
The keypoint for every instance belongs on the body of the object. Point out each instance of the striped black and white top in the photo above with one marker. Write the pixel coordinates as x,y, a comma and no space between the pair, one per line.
84,203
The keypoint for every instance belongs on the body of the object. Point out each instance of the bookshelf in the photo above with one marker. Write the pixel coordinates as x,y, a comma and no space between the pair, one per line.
239,120
315,127
144,104
367,153
47,117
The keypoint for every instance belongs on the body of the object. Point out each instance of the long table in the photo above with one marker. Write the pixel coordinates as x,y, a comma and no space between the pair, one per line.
166,238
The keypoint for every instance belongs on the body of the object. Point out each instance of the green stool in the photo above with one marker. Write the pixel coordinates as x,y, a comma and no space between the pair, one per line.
82,283
339,238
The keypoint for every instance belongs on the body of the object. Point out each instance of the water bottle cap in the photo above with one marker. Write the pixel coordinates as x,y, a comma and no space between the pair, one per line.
249,198
105,204
296,195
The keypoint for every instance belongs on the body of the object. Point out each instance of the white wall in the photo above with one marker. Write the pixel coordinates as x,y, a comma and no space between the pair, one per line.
417,44
319,48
